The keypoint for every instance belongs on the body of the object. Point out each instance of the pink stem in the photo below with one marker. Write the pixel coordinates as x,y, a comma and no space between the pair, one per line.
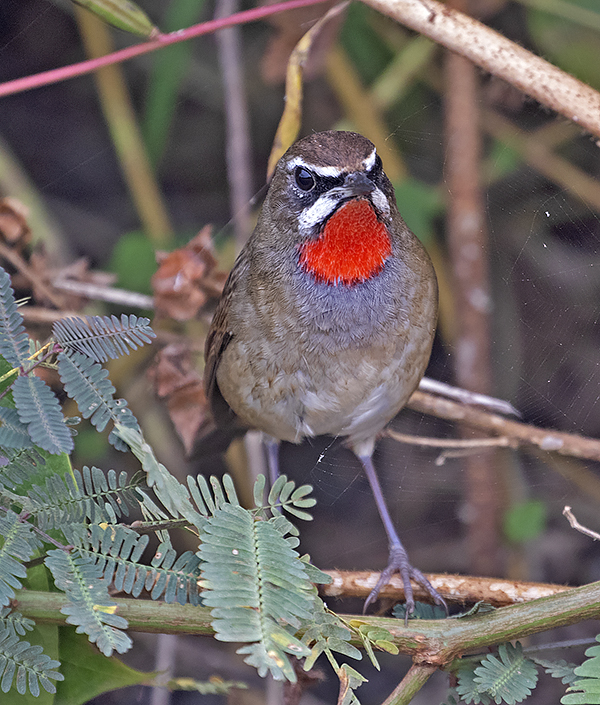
45,78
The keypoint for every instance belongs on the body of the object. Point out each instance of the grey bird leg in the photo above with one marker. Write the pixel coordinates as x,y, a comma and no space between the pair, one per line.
398,558
272,448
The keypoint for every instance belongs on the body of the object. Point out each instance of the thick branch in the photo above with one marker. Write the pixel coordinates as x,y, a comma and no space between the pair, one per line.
453,588
491,51
429,642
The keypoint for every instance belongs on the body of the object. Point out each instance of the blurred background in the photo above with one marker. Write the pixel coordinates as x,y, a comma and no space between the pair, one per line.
207,112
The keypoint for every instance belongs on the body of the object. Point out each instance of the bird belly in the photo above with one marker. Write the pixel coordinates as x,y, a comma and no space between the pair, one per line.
348,395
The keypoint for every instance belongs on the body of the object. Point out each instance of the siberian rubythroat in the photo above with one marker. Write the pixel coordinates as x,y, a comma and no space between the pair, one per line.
327,319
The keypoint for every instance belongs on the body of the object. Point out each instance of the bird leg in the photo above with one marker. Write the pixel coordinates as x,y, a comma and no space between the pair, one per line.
272,448
398,558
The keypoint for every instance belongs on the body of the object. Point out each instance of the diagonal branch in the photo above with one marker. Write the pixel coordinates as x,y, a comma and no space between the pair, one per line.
494,53
519,433
55,75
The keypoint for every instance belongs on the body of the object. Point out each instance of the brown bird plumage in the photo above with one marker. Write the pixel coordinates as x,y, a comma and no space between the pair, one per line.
327,319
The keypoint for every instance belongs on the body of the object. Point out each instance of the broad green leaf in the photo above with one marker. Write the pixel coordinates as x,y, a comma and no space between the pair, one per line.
88,673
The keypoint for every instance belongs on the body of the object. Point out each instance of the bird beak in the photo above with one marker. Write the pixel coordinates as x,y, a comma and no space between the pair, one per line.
358,184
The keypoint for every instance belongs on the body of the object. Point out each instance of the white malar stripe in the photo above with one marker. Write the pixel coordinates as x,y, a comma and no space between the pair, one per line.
319,170
318,212
369,162
380,202
328,202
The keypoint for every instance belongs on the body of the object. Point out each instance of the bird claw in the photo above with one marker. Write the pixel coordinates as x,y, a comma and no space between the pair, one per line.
398,563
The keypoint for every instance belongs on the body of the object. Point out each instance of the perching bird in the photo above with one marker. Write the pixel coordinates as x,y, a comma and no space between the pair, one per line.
326,322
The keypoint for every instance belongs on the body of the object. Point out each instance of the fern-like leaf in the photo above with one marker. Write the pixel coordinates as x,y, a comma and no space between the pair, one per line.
14,622
18,544
90,606
20,466
13,433
86,382
508,678
14,341
558,669
468,688
588,681
327,634
117,551
284,495
91,495
257,587
173,495
28,663
40,411
102,338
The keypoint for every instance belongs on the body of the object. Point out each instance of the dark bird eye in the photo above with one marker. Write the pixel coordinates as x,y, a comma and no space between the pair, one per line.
304,178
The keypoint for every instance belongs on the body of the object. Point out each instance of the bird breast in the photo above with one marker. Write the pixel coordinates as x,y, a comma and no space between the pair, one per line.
307,358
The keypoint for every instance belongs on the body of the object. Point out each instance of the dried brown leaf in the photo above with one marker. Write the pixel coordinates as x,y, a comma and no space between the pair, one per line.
177,381
187,278
14,229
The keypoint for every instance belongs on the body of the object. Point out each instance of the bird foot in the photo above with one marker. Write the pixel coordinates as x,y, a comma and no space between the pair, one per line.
398,563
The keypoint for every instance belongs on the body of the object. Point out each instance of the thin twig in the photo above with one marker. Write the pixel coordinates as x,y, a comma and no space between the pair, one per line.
19,263
46,78
465,396
577,526
467,238
110,294
466,443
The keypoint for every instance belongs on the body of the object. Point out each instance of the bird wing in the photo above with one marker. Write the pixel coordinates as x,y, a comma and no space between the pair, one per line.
218,338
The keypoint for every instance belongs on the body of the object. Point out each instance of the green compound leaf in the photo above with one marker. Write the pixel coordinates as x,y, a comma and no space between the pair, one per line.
40,411
103,338
28,664
14,341
90,606
509,677
19,543
86,382
257,586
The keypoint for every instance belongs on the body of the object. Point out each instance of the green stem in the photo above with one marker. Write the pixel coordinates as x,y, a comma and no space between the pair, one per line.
435,642
411,684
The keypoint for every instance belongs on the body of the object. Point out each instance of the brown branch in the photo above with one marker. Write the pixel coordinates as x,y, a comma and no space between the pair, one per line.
519,433
467,239
454,588
39,286
100,292
491,51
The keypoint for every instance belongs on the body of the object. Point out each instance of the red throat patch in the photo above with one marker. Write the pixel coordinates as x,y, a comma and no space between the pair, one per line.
351,248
